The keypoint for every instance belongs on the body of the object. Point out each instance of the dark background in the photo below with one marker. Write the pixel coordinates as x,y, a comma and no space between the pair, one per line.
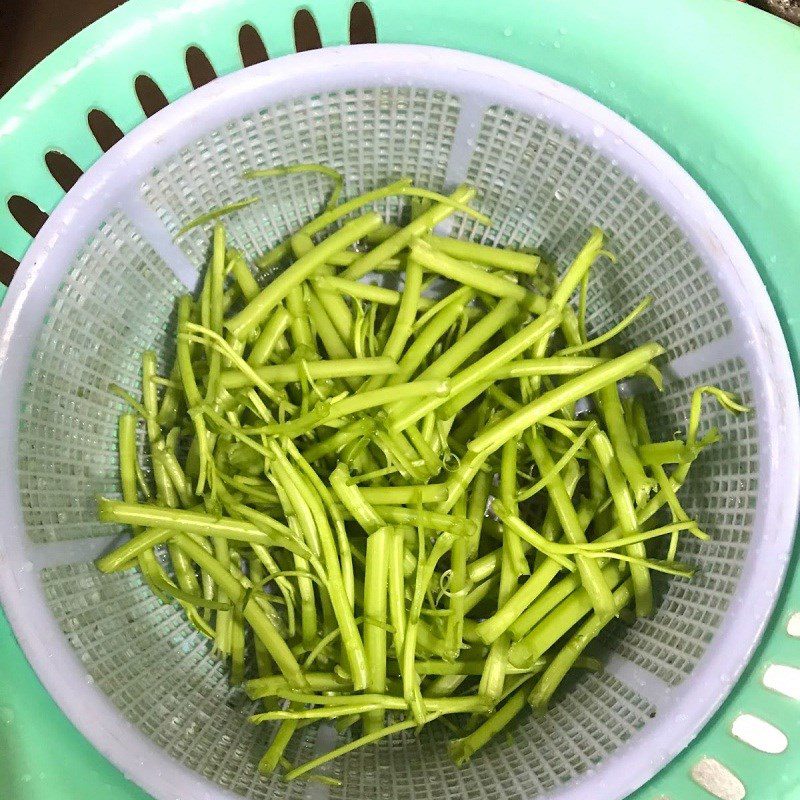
30,29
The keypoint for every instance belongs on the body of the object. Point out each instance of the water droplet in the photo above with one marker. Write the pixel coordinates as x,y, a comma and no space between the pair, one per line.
773,259
559,194
556,45
25,778
89,680
508,31
598,131
7,715
612,84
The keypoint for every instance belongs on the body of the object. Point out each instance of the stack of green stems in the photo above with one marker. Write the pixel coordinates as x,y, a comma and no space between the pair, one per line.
387,496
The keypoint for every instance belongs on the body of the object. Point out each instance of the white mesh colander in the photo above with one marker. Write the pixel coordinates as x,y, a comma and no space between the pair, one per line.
98,287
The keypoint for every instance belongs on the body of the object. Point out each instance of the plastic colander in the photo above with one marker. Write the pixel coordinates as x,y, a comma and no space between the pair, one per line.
98,286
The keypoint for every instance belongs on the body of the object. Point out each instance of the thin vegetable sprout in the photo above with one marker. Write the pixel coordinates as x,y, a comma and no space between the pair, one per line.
387,497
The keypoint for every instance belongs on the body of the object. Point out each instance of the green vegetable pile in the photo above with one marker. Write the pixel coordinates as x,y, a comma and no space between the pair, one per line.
383,508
